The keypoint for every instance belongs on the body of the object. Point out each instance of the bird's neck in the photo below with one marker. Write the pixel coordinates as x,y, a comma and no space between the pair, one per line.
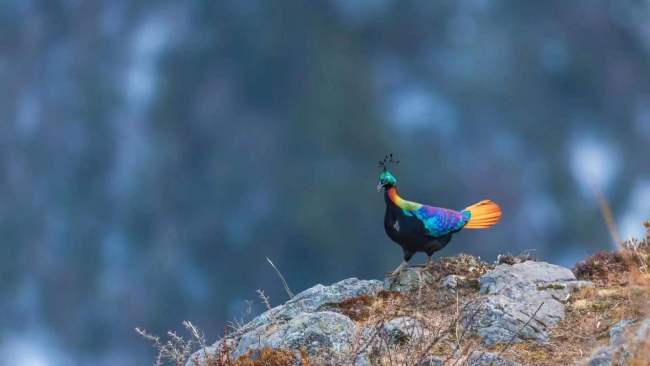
391,197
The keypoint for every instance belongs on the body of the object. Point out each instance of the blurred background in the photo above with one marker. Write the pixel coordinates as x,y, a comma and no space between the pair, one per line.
154,153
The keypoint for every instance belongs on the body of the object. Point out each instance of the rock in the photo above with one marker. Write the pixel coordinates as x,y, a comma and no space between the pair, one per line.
453,281
282,325
518,278
617,330
643,332
204,357
410,279
326,329
362,360
403,329
314,299
511,294
488,359
319,295
431,361
602,357
620,343
308,331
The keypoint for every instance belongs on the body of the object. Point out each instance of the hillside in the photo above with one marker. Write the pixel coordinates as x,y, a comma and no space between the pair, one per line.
462,311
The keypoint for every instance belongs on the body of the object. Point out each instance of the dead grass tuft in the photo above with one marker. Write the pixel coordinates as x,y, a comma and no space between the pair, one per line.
464,265
632,261
271,357
603,267
514,259
357,308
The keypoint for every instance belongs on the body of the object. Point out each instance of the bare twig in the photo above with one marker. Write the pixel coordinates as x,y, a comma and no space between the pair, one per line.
265,299
284,282
447,331
361,350
606,212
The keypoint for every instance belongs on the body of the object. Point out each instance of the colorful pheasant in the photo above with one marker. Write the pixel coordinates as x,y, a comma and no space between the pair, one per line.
421,228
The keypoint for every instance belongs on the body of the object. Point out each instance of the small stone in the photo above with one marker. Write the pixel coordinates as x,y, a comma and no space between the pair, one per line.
362,360
618,352
617,330
488,359
403,329
602,357
453,281
431,361
410,279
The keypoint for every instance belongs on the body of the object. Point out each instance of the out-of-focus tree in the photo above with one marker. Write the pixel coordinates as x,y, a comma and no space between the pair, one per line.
154,153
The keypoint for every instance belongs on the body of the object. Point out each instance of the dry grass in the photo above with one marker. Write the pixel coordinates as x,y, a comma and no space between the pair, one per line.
464,265
177,350
438,329
270,357
605,268
514,259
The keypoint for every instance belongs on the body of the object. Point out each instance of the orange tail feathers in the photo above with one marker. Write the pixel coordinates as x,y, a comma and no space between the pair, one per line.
483,215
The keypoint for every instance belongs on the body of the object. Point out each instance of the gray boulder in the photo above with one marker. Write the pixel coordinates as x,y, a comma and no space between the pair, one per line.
282,325
410,279
511,294
312,332
314,299
620,342
509,297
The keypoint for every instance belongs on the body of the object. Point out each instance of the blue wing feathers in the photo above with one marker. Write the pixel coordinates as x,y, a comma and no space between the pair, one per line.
440,221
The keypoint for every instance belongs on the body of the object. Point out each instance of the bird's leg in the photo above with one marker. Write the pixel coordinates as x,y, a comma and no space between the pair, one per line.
429,261
399,269
404,264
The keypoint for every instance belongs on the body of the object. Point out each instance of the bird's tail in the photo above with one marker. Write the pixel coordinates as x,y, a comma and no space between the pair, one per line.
483,214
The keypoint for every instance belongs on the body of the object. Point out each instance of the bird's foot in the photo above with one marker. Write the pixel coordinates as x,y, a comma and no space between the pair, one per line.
429,264
398,270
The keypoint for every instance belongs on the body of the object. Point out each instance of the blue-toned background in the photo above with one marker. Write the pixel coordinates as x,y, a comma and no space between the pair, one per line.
153,153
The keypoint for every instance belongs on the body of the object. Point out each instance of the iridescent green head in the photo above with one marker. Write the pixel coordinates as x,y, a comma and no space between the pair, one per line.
386,179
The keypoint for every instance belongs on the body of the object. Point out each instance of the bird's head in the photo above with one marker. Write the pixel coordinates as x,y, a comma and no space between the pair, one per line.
386,179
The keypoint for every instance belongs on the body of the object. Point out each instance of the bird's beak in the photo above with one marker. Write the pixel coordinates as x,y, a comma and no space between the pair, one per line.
380,187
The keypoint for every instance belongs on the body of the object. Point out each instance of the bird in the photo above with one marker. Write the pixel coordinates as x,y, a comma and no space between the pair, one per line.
422,228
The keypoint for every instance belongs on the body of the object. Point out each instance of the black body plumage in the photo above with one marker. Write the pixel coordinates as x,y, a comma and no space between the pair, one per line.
409,232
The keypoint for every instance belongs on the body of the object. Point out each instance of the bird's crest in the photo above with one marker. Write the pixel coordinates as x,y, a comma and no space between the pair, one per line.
388,159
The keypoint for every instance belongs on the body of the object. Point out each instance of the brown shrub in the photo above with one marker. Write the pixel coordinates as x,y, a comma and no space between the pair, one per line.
601,266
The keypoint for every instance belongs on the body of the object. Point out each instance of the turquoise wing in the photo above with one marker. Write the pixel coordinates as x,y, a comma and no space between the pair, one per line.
441,221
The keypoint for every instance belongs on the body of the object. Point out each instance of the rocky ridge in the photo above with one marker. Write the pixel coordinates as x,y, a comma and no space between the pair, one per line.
460,311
